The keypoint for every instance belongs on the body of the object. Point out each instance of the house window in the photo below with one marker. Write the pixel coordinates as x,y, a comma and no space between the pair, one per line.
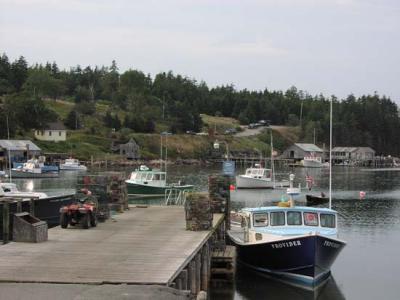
59,133
49,133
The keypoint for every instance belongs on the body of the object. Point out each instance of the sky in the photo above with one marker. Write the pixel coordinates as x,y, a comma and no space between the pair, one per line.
333,47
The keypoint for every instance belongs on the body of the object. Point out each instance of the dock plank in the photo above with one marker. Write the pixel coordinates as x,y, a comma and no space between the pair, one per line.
144,246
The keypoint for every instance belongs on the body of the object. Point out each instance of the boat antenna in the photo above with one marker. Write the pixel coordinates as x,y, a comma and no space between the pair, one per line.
330,156
272,160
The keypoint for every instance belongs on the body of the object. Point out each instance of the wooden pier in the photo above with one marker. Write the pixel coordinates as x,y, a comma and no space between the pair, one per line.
143,246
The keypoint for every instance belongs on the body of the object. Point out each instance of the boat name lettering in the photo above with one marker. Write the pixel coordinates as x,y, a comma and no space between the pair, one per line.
331,244
286,244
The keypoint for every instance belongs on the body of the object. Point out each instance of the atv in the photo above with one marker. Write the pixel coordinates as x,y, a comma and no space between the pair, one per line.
83,211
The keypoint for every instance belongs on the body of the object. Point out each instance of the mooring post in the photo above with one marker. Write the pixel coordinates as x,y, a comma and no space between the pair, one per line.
6,222
198,272
184,277
205,267
19,205
192,277
32,207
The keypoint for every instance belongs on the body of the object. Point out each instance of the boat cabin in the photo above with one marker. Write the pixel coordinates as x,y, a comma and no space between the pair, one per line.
286,221
258,173
145,175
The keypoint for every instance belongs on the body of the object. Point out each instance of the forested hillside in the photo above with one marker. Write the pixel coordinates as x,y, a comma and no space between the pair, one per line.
136,102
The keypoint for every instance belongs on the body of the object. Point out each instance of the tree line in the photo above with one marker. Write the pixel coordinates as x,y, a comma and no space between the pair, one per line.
368,120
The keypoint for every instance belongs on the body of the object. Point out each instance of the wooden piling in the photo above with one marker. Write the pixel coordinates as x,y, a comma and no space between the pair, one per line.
32,207
6,222
198,272
192,277
205,267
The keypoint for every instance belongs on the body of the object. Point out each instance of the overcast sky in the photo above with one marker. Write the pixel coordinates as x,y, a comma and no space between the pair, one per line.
320,46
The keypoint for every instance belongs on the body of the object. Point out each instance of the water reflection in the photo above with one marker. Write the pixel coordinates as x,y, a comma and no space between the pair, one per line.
251,285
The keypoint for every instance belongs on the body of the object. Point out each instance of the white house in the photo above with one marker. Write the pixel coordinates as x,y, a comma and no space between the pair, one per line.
55,132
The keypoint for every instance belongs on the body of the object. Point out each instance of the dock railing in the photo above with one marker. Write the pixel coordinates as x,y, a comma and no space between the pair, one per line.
175,196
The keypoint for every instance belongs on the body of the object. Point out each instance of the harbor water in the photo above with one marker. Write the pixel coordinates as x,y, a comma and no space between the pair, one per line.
367,267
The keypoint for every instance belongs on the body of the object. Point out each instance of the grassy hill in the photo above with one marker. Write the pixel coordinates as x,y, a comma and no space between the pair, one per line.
94,139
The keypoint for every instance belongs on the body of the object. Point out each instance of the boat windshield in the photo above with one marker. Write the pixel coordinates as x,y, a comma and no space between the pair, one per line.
310,219
260,219
278,218
328,220
294,218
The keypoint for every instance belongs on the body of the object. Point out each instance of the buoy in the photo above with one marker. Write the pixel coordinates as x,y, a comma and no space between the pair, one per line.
362,195
231,187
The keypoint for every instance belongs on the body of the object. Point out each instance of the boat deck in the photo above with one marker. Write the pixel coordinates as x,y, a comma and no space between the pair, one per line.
141,246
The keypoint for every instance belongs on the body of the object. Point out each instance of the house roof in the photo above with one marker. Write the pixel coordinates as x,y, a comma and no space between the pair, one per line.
15,145
353,149
344,149
55,126
309,147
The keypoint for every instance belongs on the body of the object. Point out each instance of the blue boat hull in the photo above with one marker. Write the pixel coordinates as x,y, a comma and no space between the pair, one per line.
303,261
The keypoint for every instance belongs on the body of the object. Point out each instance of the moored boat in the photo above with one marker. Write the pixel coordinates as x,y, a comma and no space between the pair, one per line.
145,181
316,200
34,168
297,244
72,164
46,207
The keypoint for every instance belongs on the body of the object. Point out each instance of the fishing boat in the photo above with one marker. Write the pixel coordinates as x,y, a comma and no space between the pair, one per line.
34,168
260,178
46,207
72,164
295,244
255,177
312,162
145,181
316,199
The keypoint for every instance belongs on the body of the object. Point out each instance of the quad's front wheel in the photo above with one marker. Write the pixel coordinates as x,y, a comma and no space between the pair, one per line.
93,220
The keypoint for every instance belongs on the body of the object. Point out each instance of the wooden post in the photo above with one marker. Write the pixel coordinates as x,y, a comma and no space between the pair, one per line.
198,272
32,207
205,267
6,222
192,277
19,205
184,279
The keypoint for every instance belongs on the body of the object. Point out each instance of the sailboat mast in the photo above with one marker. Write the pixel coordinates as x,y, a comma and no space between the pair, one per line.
9,150
161,153
272,160
330,156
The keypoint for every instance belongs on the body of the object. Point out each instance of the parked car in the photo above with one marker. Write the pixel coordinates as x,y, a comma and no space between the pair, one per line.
230,131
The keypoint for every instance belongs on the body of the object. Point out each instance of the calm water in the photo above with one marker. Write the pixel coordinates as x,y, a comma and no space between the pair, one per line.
368,266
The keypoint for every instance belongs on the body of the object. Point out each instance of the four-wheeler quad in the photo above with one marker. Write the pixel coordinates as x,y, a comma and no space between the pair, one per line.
83,211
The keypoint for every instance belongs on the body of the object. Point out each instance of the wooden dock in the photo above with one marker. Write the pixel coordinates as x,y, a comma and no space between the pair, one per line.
142,246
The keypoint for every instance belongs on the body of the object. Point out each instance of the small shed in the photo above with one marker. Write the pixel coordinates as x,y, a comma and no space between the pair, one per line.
55,132
299,150
20,150
342,154
130,150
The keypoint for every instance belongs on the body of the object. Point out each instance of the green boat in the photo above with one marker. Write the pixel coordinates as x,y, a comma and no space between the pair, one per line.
145,181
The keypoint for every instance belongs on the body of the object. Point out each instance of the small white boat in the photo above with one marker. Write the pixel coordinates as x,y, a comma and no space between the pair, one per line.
313,162
72,164
9,189
34,168
255,178
258,178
